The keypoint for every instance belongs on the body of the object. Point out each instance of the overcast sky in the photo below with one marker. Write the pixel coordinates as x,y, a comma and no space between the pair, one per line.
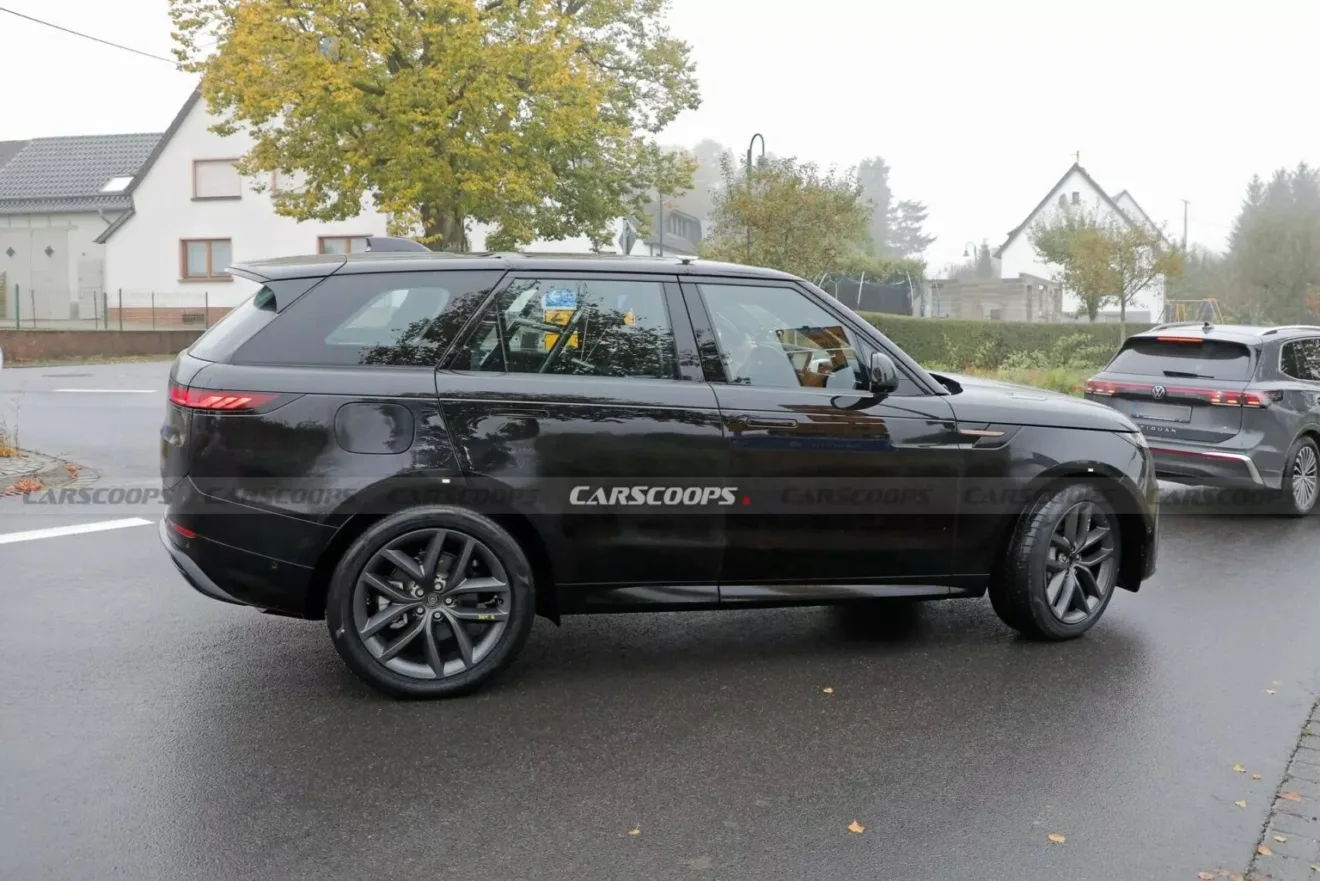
977,106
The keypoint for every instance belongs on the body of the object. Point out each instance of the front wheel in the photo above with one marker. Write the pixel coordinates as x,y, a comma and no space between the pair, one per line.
1061,566
1301,479
430,603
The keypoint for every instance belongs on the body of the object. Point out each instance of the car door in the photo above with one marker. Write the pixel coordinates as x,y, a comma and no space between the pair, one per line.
838,486
584,393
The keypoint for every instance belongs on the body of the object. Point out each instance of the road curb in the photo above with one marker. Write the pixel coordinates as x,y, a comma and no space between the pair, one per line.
50,472
1289,848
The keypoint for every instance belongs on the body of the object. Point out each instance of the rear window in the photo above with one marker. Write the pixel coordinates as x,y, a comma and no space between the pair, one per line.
243,321
388,319
1201,359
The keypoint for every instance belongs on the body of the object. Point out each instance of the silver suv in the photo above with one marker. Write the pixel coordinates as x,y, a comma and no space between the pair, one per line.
1226,405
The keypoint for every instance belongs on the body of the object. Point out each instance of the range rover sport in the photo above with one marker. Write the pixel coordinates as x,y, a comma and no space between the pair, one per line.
427,451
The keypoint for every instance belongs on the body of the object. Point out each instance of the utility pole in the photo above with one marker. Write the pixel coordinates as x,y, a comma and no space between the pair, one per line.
1184,201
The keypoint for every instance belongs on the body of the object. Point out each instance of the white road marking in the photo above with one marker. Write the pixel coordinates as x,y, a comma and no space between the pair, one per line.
57,531
109,391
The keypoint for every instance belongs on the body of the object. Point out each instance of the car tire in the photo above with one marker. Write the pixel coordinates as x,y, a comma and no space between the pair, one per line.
1299,491
469,617
1030,590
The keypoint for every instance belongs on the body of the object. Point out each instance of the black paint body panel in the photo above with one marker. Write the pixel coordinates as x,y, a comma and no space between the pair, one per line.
274,495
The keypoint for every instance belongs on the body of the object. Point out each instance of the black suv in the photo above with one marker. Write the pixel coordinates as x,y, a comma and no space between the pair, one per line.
1225,405
429,450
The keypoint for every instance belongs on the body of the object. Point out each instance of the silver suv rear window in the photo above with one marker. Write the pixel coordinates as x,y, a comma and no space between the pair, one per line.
1192,359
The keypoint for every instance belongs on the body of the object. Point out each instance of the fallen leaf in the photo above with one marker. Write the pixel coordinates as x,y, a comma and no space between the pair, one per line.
1264,851
1315,868
635,831
1239,768
1241,804
1206,876
828,690
854,826
1290,796
1255,776
1270,691
1281,838
1057,838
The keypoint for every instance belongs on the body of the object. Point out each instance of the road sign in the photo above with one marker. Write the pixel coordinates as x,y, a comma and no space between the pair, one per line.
628,237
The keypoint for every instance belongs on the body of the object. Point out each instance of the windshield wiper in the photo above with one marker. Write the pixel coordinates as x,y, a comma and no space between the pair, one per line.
1187,374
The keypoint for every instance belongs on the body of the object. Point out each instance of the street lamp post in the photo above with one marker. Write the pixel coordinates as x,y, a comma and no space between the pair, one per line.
751,144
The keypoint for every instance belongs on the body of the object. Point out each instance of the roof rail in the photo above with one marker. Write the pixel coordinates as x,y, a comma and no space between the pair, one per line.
1291,327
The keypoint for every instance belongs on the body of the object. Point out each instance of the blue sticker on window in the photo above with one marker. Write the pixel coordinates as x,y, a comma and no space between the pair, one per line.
560,298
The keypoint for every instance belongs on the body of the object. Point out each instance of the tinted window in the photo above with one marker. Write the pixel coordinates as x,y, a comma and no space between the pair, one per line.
1199,359
1301,360
778,337
240,323
597,327
399,319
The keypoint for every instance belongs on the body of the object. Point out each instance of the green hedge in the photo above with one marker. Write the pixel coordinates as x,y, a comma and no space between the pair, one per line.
956,343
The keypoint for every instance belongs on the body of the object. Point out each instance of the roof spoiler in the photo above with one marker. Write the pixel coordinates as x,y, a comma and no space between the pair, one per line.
392,243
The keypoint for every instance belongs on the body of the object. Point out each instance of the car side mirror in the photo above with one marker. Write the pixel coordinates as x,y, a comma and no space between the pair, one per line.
883,374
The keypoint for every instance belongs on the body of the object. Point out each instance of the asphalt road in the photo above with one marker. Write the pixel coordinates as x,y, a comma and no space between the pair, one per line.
148,733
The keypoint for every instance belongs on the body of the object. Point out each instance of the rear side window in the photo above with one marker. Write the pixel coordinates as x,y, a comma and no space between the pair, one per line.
242,322
1301,360
392,319
582,327
1196,359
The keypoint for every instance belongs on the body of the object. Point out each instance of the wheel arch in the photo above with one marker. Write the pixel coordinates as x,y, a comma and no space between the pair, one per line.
356,516
1121,497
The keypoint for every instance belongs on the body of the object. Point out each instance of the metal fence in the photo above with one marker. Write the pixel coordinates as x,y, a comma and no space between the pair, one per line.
36,309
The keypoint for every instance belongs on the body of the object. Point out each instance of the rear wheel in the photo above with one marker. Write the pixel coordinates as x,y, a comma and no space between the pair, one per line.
432,602
1061,566
1301,479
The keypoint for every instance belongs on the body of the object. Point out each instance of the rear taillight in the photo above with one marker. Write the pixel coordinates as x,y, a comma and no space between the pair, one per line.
1209,396
181,530
210,399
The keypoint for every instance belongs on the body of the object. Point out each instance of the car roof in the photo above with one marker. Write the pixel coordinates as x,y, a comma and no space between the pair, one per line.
320,265
1246,333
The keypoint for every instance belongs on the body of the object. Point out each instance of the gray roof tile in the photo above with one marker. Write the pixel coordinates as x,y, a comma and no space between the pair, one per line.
50,175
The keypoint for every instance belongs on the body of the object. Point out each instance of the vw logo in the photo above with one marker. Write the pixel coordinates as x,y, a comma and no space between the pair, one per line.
1159,392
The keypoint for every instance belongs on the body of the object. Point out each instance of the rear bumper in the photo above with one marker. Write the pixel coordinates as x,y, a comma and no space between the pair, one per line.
211,561
1206,466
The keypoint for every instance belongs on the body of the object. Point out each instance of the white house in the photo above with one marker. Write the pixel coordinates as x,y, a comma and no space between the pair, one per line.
57,196
192,215
1016,257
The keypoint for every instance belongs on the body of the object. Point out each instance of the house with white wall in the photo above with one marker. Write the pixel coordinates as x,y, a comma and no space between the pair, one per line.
192,215
57,196
1017,257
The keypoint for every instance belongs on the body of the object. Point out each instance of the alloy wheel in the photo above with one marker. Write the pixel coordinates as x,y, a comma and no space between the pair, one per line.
1305,478
1081,565
432,603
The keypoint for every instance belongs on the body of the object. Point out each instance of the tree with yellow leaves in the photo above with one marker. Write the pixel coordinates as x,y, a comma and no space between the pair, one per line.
536,117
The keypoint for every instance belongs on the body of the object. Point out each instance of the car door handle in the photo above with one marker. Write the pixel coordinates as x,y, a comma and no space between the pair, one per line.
522,414
765,423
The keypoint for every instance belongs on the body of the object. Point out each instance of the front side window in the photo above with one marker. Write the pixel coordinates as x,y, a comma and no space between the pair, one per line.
777,337
1301,360
596,327
206,259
